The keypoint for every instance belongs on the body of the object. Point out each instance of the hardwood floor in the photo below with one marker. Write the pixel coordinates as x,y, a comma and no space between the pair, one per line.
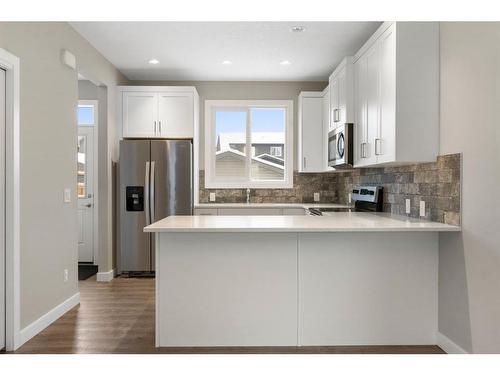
118,317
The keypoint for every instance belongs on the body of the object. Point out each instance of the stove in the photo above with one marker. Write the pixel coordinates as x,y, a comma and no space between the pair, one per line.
366,199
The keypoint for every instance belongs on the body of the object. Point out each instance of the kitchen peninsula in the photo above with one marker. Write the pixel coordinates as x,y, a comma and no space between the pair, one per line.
349,278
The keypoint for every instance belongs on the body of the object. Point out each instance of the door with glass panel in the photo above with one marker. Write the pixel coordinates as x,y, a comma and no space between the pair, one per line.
85,182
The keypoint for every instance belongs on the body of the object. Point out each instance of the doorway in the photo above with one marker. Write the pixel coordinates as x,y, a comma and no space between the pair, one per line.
2,207
87,187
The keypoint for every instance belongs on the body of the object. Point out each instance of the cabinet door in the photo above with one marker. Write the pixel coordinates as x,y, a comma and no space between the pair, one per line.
385,146
140,114
326,129
334,103
311,122
360,136
176,115
342,97
372,103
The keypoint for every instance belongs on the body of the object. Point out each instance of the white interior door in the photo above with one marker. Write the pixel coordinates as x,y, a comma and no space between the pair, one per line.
85,190
2,208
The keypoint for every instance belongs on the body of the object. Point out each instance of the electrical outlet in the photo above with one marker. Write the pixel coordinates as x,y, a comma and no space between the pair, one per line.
316,197
66,276
408,206
212,197
422,208
67,195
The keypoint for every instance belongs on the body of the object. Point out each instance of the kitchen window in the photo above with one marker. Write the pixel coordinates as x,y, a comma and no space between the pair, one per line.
248,144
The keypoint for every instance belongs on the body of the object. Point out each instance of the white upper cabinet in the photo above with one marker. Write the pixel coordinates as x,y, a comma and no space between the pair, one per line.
175,115
311,140
396,80
158,112
139,114
342,94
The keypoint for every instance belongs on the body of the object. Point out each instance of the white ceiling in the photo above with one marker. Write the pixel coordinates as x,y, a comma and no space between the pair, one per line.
195,50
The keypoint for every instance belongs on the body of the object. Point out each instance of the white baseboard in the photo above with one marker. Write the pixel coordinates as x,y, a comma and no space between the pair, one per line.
106,276
46,320
449,346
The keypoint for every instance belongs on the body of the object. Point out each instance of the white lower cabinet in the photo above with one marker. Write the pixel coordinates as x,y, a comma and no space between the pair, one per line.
205,211
250,211
294,211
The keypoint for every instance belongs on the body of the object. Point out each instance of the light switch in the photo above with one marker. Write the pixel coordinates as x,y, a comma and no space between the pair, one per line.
316,197
422,208
67,195
212,197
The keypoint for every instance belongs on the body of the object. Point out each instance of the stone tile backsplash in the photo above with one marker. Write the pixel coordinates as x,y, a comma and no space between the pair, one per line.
437,183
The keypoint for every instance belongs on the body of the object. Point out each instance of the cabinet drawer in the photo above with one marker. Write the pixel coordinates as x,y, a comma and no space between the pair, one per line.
249,211
205,211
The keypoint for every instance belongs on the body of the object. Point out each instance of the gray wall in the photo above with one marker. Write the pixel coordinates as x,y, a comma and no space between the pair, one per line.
88,91
469,262
49,94
244,90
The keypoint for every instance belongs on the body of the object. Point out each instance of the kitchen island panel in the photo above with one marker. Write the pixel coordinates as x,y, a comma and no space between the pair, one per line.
368,288
235,289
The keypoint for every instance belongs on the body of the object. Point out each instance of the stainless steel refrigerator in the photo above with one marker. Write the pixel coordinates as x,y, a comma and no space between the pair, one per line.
155,181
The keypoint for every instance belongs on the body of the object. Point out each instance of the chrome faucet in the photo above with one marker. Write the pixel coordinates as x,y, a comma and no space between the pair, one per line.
248,196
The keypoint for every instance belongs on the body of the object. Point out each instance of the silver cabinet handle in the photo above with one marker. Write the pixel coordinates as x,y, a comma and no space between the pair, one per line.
304,163
156,130
159,126
152,191
377,146
146,193
337,115
363,150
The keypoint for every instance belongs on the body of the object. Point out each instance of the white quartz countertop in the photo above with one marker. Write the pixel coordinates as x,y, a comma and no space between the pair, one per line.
271,205
335,222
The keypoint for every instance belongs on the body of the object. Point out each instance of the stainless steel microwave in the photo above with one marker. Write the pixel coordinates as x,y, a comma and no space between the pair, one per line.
340,146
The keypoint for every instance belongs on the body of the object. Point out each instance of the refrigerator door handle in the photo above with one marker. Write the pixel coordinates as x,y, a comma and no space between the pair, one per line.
146,193
152,192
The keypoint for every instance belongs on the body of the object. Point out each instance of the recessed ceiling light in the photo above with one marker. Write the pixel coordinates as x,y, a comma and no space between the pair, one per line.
154,61
227,62
297,29
285,62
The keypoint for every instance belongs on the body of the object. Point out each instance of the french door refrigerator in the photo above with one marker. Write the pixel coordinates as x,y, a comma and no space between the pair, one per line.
155,181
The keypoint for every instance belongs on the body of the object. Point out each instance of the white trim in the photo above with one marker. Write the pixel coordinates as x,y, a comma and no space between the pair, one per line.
106,276
47,319
210,183
10,63
372,40
449,346
178,89
95,177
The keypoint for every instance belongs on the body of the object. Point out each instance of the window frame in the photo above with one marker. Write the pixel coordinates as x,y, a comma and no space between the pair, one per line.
211,106
276,148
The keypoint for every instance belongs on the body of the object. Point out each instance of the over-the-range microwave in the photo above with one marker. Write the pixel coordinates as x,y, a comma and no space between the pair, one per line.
340,146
